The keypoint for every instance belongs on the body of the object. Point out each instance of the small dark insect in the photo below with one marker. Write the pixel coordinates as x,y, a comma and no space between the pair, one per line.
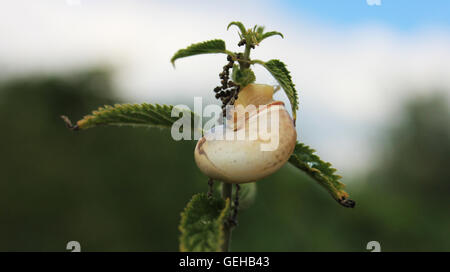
228,91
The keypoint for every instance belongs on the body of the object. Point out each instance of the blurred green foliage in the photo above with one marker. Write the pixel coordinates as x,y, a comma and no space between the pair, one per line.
123,189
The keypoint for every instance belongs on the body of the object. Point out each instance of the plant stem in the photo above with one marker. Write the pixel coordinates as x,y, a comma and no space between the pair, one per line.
247,52
227,191
245,63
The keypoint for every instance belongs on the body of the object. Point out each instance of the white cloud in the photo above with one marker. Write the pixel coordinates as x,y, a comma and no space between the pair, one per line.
350,80
373,2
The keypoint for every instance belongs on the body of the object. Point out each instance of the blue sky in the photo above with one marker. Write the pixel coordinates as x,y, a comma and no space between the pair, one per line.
401,15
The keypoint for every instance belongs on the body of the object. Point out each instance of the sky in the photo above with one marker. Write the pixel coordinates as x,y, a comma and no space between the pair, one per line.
354,64
404,15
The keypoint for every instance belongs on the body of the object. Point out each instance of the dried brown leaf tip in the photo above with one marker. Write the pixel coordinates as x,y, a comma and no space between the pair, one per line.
69,124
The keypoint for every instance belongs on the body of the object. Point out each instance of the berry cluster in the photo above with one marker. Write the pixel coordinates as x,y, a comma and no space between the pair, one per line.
244,42
228,91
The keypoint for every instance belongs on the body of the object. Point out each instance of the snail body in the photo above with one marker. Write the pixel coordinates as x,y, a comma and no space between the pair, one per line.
245,154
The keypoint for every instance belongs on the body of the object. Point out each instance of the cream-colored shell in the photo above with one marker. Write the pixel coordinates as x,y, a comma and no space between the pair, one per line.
242,161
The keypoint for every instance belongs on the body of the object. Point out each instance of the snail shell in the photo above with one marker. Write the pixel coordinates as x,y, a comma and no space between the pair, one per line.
248,159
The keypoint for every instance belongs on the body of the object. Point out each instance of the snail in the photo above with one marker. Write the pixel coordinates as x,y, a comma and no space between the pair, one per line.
247,154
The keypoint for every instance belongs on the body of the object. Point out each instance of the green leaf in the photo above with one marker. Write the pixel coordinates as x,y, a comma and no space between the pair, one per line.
242,77
282,75
147,115
239,25
270,34
260,30
208,47
322,172
202,224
